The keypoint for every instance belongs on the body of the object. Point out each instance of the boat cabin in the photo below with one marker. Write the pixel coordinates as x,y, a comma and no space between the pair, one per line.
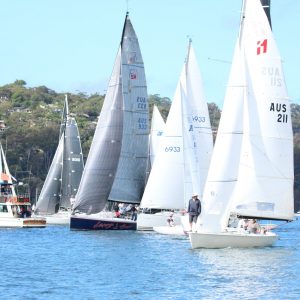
15,207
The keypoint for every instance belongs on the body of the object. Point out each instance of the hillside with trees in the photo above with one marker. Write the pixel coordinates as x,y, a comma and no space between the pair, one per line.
30,120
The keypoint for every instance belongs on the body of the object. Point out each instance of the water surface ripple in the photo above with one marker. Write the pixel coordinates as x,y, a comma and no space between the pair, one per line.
56,263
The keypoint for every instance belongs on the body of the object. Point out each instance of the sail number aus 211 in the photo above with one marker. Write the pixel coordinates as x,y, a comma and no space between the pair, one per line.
282,117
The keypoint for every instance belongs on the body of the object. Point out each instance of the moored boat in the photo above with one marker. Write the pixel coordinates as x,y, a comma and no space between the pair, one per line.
15,211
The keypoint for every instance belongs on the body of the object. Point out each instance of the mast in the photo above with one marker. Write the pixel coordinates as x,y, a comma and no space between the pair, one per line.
267,8
188,55
124,27
65,116
242,18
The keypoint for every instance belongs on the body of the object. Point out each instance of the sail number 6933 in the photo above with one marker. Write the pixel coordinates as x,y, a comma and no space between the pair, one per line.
172,149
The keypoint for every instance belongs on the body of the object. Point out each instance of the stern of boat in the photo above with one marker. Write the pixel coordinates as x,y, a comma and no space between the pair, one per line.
231,240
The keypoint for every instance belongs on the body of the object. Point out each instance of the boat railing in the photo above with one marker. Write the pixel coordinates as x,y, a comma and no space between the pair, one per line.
14,199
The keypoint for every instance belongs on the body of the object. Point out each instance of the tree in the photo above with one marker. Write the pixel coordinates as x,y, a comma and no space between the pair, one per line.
20,82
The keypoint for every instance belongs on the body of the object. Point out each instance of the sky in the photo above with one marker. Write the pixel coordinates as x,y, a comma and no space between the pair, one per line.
71,45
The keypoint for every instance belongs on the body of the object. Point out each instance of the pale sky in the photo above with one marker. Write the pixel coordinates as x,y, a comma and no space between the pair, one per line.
70,45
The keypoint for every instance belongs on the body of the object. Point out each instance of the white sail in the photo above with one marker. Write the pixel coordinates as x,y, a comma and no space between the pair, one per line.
223,171
196,126
181,165
266,176
164,189
157,130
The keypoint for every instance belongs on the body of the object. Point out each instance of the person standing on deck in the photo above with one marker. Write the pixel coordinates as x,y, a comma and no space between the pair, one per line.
194,210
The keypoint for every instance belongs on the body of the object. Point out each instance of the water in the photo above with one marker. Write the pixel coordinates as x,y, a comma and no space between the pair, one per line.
56,263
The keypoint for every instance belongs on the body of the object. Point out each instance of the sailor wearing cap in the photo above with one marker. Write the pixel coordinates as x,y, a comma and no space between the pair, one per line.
194,209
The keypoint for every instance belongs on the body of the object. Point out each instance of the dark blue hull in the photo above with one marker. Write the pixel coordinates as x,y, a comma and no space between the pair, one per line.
101,224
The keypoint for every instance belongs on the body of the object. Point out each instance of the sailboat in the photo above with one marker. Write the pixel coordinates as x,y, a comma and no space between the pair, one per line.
251,173
182,162
62,181
15,210
157,130
116,167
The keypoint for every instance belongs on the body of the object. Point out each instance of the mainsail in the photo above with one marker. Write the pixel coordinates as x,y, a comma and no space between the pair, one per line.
65,172
72,163
116,166
197,138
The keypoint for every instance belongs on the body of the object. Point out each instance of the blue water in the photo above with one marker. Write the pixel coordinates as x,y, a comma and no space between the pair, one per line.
56,263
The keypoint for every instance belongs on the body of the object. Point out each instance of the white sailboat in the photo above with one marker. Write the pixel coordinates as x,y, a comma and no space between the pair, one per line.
251,173
15,211
116,166
181,165
63,178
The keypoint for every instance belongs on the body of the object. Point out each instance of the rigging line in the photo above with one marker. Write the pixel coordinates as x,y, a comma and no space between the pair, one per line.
220,60
279,225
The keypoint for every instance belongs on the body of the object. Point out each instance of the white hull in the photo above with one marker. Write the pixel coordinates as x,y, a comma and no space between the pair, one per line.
231,240
146,222
11,222
61,218
170,230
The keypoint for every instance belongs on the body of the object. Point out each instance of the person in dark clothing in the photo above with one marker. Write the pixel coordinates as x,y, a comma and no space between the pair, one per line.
194,210
134,212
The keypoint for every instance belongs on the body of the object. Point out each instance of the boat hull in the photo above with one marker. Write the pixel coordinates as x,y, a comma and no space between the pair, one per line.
231,240
22,222
58,219
170,230
94,223
146,222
